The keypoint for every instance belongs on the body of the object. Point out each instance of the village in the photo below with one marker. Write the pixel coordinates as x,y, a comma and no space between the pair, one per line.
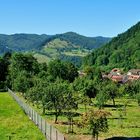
117,75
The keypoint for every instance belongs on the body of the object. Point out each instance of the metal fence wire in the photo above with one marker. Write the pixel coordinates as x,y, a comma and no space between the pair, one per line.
48,130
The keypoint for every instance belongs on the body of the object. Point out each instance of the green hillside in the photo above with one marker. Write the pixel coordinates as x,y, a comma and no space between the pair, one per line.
71,46
27,42
83,42
22,42
68,46
123,51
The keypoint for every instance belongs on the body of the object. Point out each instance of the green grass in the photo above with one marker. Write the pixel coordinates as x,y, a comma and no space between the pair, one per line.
14,123
42,58
130,123
50,50
75,53
57,43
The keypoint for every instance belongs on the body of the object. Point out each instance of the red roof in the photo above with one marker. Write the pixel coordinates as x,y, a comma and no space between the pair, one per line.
117,78
134,77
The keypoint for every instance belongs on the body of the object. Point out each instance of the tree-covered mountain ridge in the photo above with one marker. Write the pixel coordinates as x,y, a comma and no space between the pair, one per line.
122,51
28,42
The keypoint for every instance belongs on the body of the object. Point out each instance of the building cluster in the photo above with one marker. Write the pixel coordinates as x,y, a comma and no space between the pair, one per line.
117,76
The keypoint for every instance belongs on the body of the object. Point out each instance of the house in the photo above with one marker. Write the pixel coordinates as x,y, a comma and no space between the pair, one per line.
133,77
117,78
115,75
115,71
134,72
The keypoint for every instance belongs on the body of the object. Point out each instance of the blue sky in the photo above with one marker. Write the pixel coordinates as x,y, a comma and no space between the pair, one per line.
86,17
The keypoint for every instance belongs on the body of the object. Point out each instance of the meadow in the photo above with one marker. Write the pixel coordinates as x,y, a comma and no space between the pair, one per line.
123,122
14,124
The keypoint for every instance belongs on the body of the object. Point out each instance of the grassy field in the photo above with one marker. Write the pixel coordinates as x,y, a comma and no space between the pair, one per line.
130,123
42,58
75,53
14,123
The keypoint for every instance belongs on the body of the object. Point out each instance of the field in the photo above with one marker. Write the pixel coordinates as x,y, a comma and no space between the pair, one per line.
14,124
42,58
76,53
127,126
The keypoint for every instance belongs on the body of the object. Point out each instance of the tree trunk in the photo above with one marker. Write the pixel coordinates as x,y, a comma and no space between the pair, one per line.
93,135
72,125
69,126
97,136
113,101
56,117
43,111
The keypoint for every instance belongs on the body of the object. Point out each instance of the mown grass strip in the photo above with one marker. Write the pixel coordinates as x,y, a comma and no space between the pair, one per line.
14,123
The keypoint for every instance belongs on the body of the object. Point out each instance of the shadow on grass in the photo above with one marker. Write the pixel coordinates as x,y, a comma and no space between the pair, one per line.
74,114
117,118
133,126
124,138
112,106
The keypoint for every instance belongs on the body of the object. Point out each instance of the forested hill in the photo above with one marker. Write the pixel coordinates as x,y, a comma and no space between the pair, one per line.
82,41
122,51
21,42
27,42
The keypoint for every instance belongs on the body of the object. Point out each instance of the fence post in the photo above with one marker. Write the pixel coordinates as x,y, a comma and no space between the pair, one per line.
37,120
34,118
41,122
45,128
50,132
32,115
56,135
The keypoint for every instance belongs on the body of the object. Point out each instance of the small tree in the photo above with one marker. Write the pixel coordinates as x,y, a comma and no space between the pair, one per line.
112,90
101,98
37,94
55,97
70,106
97,122
85,100
62,70
22,82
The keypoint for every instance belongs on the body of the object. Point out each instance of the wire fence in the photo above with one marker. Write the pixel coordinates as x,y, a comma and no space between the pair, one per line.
48,130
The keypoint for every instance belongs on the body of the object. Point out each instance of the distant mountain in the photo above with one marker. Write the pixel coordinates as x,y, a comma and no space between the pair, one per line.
122,51
83,41
27,42
71,46
22,42
64,46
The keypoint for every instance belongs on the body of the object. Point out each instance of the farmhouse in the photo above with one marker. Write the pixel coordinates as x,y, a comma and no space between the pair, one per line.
117,76
134,72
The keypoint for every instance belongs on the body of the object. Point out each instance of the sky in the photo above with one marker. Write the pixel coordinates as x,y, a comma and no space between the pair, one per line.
87,17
